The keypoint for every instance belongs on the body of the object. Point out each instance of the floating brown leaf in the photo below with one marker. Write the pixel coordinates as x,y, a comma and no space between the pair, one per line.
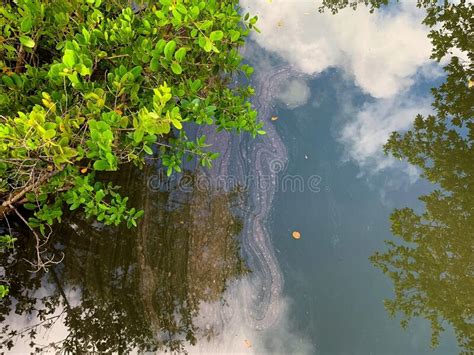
296,235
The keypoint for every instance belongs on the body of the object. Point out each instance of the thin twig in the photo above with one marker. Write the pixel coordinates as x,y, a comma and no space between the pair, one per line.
8,204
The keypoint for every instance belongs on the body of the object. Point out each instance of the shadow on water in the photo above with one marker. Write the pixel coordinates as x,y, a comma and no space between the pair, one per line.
121,289
148,288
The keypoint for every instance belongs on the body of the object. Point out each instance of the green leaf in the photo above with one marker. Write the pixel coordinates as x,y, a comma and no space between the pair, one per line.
27,41
147,149
206,24
50,133
30,206
177,16
154,64
196,85
101,165
136,71
176,68
208,45
138,135
202,41
160,46
205,43
177,123
83,70
99,195
201,140
216,35
4,291
69,58
18,80
169,49
26,25
181,8
234,35
86,34
8,81
194,12
180,54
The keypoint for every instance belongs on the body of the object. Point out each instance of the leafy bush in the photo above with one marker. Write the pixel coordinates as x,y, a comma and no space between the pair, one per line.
88,85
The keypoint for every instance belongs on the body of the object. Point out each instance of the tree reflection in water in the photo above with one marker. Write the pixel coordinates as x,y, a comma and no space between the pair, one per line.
120,289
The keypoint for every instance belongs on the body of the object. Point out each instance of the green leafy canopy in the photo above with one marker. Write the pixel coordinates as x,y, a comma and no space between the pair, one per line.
89,85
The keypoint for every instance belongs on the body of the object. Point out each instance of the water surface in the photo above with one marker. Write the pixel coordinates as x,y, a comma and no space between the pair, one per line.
213,266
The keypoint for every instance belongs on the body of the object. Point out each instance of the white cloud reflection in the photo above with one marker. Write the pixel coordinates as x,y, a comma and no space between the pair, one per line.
372,124
382,53
294,93
237,336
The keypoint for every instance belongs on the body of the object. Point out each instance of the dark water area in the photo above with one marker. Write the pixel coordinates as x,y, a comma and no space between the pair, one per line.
198,274
121,290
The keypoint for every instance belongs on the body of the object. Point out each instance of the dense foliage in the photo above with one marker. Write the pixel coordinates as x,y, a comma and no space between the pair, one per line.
432,268
88,85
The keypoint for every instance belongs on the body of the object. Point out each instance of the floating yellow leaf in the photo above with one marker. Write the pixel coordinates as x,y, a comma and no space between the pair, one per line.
296,235
274,118
84,170
470,84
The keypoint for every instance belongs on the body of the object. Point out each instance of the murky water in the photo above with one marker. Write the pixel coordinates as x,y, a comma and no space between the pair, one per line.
201,265
213,267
